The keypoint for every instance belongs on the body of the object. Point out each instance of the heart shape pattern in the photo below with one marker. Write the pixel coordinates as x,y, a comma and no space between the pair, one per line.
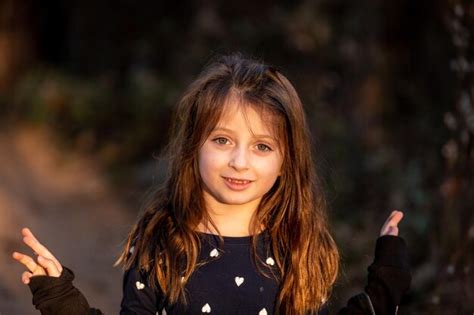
263,311
206,308
239,281
214,253
139,285
270,261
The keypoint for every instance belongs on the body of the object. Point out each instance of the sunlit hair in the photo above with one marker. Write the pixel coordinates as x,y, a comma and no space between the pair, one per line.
165,241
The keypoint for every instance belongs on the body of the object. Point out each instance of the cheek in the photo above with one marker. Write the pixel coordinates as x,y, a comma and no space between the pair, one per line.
270,168
208,161
203,165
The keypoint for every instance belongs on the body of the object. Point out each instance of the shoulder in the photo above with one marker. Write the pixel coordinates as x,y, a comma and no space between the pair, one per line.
138,292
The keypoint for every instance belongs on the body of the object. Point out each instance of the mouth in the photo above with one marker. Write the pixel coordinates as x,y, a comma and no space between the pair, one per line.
237,181
237,184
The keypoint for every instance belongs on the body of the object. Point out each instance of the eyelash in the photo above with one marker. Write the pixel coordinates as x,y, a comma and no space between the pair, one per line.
267,148
216,140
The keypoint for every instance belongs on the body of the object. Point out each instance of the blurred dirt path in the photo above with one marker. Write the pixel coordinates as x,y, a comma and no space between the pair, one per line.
65,200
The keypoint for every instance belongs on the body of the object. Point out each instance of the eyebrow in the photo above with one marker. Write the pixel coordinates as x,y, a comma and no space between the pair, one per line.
231,131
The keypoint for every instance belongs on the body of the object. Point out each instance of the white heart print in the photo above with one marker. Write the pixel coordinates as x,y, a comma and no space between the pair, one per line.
214,253
239,281
163,312
263,311
206,308
139,285
270,261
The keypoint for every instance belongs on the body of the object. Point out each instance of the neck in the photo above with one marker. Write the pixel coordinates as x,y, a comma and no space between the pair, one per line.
230,220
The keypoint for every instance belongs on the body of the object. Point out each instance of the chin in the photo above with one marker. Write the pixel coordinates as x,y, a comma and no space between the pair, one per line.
235,201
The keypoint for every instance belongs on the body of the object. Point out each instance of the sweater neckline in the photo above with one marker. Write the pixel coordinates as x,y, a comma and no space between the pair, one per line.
232,239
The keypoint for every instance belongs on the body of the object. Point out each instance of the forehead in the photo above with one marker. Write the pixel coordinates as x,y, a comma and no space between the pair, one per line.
243,117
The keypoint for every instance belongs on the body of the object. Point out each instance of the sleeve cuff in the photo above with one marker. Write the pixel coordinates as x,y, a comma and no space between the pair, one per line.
391,251
53,293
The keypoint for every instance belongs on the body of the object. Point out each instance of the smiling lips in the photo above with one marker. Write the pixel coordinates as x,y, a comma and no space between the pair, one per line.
237,184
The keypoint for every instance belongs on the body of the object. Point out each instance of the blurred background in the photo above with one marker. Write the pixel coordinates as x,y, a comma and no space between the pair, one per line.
87,90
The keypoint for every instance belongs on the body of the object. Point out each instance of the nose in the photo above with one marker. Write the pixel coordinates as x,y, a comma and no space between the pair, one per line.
239,159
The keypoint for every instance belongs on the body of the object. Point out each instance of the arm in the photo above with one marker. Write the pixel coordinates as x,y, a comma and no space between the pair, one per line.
54,293
57,295
50,282
389,274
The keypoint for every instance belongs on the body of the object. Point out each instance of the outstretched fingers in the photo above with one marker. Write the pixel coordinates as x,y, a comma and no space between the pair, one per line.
50,266
33,267
38,248
30,264
43,267
390,227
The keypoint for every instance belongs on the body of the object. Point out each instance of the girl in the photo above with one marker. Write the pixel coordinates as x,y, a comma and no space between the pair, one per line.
240,226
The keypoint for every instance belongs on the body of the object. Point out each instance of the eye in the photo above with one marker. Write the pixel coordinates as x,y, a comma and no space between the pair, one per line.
220,140
263,147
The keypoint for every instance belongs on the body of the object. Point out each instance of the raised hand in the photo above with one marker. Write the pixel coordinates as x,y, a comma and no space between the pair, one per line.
390,227
46,263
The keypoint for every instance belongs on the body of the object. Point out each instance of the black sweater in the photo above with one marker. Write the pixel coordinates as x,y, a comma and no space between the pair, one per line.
229,283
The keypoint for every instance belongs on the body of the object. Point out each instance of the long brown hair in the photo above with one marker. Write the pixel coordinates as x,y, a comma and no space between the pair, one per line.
165,241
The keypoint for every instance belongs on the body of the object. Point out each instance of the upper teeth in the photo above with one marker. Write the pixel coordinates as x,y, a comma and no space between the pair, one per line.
238,181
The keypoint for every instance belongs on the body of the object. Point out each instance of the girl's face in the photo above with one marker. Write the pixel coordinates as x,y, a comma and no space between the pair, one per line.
240,161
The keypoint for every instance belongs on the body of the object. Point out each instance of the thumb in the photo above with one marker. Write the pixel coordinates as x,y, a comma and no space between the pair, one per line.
25,277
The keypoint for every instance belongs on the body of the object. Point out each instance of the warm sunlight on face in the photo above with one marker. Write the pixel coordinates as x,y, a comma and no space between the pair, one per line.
240,161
